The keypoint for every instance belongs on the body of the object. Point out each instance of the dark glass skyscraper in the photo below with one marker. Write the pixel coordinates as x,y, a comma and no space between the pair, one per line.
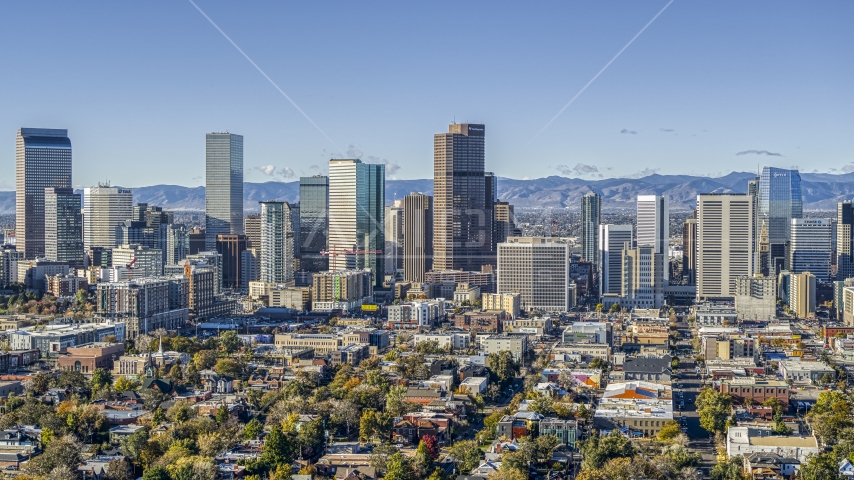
463,196
780,201
63,226
42,160
314,218
591,213
223,186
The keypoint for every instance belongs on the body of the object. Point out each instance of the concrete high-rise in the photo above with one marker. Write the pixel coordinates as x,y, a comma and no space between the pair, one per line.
356,216
252,230
417,236
780,201
462,202
538,268
725,243
314,222
845,240
223,186
642,278
63,226
503,223
810,247
689,251
393,237
105,208
277,243
654,225
613,239
42,160
591,215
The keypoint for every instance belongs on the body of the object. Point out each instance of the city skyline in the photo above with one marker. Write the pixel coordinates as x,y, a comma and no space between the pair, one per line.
666,106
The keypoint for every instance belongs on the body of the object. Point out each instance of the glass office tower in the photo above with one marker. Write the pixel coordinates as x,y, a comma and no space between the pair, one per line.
314,219
591,213
223,186
42,160
357,216
780,201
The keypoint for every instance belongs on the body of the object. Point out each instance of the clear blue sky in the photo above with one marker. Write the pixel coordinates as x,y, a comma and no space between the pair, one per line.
138,84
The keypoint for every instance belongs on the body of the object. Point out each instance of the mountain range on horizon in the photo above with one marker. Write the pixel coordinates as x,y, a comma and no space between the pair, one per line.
821,191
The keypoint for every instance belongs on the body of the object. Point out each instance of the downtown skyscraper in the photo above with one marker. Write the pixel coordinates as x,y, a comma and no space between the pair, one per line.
780,201
42,160
104,209
463,197
356,216
314,222
223,186
277,243
653,225
591,214
725,243
63,224
417,236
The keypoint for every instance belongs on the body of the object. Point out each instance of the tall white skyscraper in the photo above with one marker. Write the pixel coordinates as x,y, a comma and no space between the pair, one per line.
104,208
654,224
356,216
538,268
612,241
277,243
725,243
223,186
810,246
42,160
394,237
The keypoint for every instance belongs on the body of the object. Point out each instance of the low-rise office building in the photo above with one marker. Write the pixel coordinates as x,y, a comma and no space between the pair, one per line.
321,343
536,325
805,372
455,341
757,389
634,417
515,344
52,339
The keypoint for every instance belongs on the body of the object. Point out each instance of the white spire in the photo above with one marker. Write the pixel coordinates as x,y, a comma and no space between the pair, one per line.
160,348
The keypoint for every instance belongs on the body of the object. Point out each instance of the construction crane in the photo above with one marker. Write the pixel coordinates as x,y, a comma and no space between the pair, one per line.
129,266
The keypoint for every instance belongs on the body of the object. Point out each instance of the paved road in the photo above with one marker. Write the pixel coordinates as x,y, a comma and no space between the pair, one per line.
690,385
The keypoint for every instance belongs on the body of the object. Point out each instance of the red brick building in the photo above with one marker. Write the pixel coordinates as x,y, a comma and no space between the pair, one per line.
757,389
489,321
86,358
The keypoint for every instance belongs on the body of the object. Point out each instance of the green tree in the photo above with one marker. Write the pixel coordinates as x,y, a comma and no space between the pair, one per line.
227,367
204,359
253,429
714,409
669,431
125,384
597,450
101,378
467,454
157,417
422,463
278,449
156,473
599,364
503,366
399,468
730,469
222,414
229,341
614,308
